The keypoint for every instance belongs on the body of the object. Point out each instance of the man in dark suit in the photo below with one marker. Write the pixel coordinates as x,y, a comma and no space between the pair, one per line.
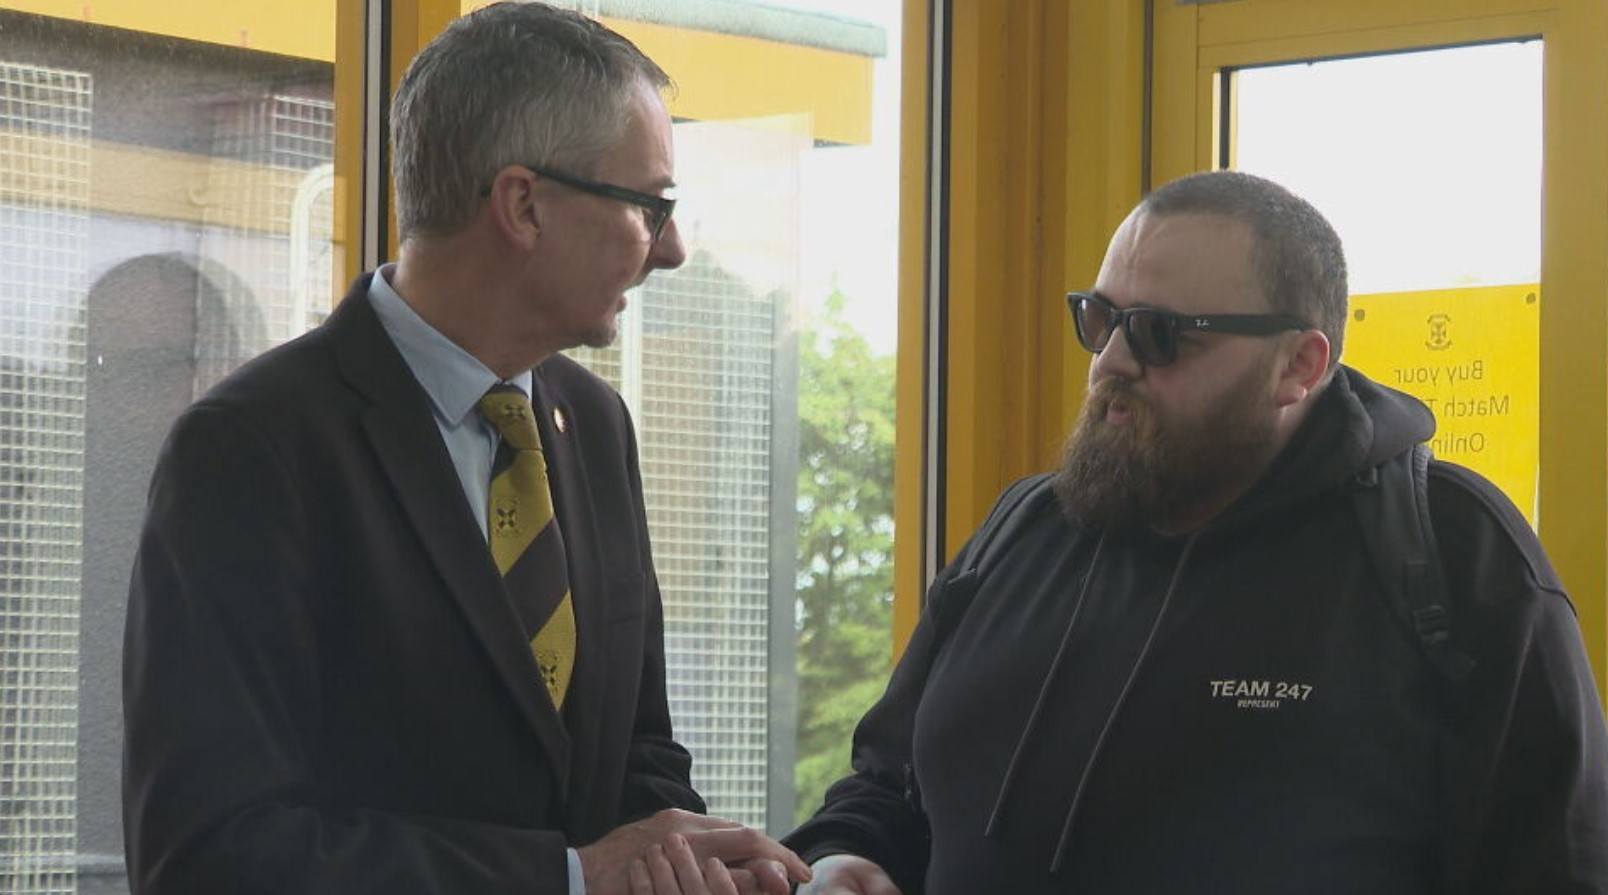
333,683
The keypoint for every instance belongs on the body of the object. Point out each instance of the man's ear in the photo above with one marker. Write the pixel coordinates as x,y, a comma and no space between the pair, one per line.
1303,364
515,207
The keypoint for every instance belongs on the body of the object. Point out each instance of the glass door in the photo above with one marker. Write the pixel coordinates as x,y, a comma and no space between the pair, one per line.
1457,148
168,209
1428,163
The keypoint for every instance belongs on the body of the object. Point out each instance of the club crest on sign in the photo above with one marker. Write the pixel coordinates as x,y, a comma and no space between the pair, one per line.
1440,335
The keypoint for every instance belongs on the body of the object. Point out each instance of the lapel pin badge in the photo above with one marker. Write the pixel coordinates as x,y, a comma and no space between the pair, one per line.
560,420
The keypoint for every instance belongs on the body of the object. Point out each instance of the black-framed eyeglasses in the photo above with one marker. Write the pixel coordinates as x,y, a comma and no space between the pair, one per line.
1152,333
658,208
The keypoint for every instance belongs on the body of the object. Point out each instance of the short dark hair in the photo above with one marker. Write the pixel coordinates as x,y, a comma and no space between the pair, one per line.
509,84
1297,254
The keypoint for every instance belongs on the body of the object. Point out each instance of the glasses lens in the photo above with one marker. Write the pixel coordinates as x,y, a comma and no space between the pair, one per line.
658,217
1151,337
1093,319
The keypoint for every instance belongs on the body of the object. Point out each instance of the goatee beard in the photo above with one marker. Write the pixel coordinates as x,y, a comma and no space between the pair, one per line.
1150,472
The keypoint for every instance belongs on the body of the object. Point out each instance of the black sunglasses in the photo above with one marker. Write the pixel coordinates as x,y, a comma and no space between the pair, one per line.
658,208
1153,333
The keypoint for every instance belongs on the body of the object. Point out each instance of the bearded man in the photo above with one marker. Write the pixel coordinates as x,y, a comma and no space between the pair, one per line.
1181,670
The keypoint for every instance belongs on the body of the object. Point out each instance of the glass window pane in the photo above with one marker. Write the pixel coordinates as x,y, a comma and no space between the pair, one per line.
1429,166
166,209
760,375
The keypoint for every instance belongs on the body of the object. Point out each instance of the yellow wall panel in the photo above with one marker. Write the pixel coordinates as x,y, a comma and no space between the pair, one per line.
347,220
1105,111
1002,173
720,77
1471,355
304,28
175,186
1175,130
723,76
1047,104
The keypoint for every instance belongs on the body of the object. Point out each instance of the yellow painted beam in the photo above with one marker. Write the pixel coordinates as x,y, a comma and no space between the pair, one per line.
1010,183
913,379
986,68
720,76
171,186
1105,44
348,208
1047,102
1251,22
303,28
414,23
1363,41
724,76
1177,132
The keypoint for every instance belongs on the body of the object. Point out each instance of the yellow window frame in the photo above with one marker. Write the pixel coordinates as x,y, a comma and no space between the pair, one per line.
1044,107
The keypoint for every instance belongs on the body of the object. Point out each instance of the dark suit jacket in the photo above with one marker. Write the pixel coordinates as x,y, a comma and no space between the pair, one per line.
325,688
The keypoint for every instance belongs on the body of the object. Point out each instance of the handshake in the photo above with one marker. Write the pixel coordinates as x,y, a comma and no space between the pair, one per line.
676,852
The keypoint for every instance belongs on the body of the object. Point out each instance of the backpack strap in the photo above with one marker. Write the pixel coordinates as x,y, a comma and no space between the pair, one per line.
950,598
999,529
1392,504
992,539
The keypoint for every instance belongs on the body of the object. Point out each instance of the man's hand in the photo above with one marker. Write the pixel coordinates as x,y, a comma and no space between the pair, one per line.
687,842
674,869
848,875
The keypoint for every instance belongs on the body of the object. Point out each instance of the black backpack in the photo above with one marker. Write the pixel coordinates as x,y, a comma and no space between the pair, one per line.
1392,503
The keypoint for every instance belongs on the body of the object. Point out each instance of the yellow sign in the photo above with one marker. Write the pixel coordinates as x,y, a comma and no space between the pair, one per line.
1473,356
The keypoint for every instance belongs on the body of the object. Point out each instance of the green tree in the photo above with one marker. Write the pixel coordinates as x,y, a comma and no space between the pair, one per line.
845,544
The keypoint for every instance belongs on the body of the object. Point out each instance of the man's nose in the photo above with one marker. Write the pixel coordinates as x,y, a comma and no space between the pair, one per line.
1116,360
668,252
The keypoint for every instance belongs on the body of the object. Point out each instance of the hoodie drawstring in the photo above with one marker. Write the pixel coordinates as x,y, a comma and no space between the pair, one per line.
1043,694
1122,696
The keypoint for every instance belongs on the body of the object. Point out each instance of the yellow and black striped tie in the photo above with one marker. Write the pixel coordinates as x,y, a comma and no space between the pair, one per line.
525,540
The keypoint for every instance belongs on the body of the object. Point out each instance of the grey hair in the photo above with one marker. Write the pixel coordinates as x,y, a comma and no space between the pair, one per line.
1298,255
510,84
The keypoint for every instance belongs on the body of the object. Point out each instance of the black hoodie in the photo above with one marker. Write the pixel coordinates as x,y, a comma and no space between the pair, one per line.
1240,710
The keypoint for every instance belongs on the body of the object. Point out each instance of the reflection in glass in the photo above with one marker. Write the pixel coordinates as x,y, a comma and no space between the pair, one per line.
777,582
165,214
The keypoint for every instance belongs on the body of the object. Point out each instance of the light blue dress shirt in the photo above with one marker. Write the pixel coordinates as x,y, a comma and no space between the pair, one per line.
455,382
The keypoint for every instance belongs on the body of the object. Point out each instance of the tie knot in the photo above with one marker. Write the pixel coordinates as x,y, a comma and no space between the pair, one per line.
507,408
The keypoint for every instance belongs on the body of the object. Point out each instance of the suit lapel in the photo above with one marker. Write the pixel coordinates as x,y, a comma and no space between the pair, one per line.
572,506
402,431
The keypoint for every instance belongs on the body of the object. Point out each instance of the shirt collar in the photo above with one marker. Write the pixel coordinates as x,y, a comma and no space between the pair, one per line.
453,378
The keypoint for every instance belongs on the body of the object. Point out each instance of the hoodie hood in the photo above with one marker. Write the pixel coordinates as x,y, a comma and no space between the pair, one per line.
1356,425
